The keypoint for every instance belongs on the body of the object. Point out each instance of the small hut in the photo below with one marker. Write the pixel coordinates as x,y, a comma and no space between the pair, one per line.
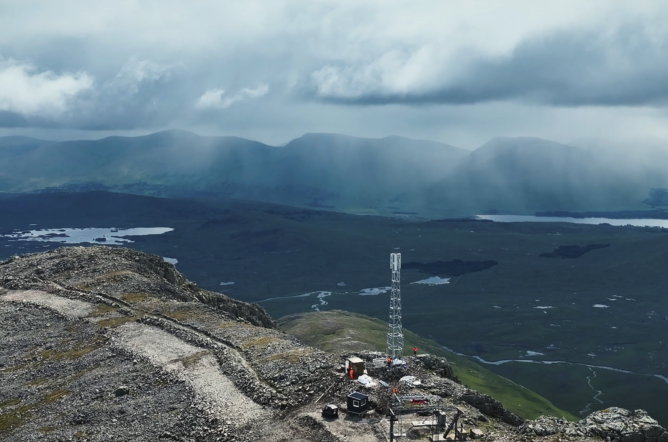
357,365
357,403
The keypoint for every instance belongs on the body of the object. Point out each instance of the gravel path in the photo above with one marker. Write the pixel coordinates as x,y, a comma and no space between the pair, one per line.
218,394
70,308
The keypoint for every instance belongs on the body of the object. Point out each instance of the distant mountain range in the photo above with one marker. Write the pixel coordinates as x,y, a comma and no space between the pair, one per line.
391,175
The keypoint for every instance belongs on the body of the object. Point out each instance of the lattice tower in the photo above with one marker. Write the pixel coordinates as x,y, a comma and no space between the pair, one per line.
395,335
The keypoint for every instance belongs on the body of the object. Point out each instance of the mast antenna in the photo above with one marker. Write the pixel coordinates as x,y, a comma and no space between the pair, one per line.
395,335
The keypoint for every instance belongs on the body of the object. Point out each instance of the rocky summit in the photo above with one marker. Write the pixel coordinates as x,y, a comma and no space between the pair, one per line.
110,344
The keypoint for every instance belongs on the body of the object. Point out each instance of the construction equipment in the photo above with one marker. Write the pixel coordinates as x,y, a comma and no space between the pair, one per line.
453,423
330,411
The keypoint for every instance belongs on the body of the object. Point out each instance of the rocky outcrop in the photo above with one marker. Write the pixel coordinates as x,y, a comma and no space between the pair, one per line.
612,424
436,364
491,407
115,270
253,313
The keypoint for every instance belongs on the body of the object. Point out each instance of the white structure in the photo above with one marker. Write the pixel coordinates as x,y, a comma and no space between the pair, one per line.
395,335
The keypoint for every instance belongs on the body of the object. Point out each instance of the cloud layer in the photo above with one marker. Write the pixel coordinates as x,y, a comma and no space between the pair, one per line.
291,66
626,68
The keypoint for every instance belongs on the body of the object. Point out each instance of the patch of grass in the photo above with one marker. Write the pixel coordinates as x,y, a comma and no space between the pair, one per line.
190,361
37,382
47,429
17,368
262,341
79,350
117,321
9,421
101,310
10,402
112,275
291,356
78,375
134,297
181,315
339,331
54,396
18,416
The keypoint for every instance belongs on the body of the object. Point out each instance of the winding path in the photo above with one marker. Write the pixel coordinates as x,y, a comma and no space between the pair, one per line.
197,366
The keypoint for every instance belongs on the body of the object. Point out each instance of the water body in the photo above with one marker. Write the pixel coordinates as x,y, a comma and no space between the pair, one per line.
170,260
434,280
598,393
556,219
305,295
533,361
94,235
534,353
374,291
321,297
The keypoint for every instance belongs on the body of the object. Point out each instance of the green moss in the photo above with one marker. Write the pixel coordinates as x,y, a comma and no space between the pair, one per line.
291,356
18,416
78,375
54,396
9,421
101,310
37,382
193,359
263,341
117,321
181,315
134,297
70,354
47,429
10,402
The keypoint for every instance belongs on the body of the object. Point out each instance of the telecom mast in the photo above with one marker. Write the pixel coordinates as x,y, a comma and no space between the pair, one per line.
395,335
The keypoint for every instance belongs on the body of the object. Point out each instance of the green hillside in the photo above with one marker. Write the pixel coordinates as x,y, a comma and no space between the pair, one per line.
338,331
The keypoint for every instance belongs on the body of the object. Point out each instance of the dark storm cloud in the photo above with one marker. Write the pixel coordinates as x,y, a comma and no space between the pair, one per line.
278,69
626,68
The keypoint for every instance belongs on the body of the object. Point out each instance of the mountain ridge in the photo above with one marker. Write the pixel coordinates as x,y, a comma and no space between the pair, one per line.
338,172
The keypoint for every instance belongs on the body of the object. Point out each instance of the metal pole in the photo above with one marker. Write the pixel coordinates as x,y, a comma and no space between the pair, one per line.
395,335
391,425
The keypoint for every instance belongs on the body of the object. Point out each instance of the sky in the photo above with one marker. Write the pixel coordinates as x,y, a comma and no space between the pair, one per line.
459,72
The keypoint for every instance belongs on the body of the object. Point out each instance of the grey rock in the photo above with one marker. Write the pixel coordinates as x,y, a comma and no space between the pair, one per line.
122,390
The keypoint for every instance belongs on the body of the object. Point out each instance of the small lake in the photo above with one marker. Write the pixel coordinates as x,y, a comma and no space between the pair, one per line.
94,235
556,219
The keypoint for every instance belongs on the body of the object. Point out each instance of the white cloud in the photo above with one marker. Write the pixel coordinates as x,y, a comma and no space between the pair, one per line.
26,91
213,98
135,71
